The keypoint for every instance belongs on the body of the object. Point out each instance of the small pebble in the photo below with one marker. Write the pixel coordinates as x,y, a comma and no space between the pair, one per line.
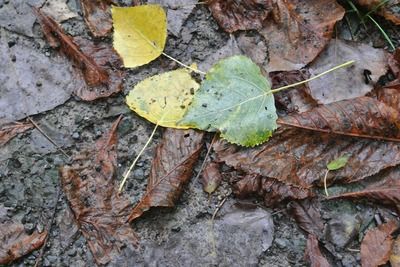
75,135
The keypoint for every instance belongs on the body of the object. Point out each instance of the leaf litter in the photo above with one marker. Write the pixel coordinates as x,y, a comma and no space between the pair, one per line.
97,15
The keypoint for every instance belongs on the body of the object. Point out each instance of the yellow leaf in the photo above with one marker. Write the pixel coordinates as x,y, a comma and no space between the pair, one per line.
140,33
163,99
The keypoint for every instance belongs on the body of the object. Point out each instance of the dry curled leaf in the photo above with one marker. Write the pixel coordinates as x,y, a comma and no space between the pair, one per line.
313,254
389,10
361,117
171,168
307,215
211,177
97,15
91,189
377,245
97,63
9,131
15,243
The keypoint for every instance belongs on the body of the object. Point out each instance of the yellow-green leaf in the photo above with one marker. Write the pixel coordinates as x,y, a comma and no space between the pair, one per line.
140,33
163,99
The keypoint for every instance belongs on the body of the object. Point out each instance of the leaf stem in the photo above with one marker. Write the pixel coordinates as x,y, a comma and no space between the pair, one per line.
312,78
183,64
325,186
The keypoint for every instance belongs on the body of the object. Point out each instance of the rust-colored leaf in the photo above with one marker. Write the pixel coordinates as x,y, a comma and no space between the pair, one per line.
299,157
9,131
361,117
313,254
390,10
97,15
211,177
386,191
15,243
390,96
395,254
307,215
91,189
171,168
97,63
377,245
233,15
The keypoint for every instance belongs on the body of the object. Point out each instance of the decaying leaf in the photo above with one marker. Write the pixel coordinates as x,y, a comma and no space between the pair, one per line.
313,254
234,100
307,215
97,15
390,96
171,168
377,245
395,254
299,157
15,243
9,131
297,31
386,191
140,33
360,117
91,189
350,82
389,10
211,177
233,15
97,62
163,99
59,10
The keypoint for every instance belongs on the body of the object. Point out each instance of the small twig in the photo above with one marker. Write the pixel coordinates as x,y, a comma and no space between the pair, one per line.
325,187
48,138
48,228
212,224
205,158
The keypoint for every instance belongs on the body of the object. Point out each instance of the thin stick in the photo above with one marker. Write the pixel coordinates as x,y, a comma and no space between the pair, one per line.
212,224
136,159
325,187
183,64
205,159
48,138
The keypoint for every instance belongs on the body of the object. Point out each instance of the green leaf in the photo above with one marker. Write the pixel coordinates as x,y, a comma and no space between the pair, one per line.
338,163
234,99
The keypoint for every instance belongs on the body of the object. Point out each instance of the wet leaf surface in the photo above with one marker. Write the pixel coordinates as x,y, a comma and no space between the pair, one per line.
101,213
9,131
211,177
97,15
377,244
360,117
395,253
389,10
308,217
171,168
343,228
97,63
313,254
15,243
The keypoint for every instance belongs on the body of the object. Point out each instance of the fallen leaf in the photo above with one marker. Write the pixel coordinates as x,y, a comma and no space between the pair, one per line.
343,228
389,10
299,157
338,163
97,15
171,168
59,10
98,63
234,100
395,254
377,245
313,254
140,33
390,96
9,131
92,192
297,31
386,191
163,99
307,216
350,82
359,117
211,177
233,15
15,243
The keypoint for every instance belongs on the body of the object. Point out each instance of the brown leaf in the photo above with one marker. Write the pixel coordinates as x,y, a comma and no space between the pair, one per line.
395,254
97,15
97,62
307,215
390,96
9,131
91,189
386,191
211,177
297,31
233,15
313,254
299,157
171,168
350,82
15,243
390,10
359,117
377,245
